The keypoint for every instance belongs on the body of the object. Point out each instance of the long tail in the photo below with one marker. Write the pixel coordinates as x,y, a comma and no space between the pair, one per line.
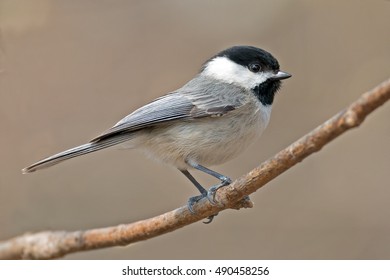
75,152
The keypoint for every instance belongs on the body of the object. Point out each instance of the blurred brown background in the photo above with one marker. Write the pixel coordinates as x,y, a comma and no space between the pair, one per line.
71,69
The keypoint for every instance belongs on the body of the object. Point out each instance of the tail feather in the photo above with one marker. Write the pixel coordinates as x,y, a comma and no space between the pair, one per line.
75,152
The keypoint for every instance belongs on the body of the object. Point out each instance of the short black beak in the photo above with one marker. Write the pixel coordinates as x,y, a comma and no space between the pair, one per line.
280,76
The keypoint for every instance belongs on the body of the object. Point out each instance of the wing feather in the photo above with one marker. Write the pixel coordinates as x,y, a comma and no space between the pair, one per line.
188,103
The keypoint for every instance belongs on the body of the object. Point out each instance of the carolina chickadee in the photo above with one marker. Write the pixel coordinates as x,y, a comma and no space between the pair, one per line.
208,121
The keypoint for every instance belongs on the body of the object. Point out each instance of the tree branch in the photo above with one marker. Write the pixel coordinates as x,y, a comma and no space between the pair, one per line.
54,244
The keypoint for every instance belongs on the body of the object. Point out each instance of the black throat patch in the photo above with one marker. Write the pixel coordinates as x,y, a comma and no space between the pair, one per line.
266,91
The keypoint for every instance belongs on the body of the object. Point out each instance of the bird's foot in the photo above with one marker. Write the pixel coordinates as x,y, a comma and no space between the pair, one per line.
191,202
212,191
194,199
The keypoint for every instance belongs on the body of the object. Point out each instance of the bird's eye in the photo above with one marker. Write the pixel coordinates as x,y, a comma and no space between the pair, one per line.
254,68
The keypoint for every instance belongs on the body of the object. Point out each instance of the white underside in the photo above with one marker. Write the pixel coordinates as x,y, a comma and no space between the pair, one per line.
209,141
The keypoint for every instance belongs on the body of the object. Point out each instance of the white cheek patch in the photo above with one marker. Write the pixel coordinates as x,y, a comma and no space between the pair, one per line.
223,69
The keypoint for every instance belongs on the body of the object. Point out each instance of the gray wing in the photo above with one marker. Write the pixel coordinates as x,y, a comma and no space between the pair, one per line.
190,102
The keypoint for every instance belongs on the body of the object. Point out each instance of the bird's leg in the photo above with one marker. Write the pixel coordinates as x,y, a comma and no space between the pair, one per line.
202,190
211,192
195,199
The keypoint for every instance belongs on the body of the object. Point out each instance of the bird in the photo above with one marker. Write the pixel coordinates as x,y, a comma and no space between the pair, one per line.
208,121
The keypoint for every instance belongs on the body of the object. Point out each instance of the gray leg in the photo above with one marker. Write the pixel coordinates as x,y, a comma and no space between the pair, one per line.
193,180
211,192
194,199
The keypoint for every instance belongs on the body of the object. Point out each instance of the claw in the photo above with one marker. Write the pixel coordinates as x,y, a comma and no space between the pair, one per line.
212,191
192,200
210,219
211,194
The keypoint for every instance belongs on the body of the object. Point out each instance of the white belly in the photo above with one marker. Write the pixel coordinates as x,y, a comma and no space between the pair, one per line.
208,141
